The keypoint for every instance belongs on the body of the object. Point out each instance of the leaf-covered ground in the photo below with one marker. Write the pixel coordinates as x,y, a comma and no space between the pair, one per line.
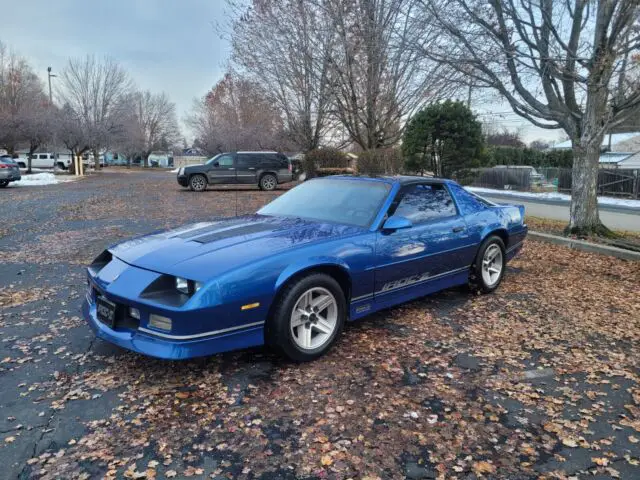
539,380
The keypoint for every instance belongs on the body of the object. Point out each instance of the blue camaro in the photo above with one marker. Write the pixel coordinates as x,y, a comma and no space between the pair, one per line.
329,250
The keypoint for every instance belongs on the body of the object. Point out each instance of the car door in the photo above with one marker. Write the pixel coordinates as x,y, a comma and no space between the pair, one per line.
418,260
222,170
246,168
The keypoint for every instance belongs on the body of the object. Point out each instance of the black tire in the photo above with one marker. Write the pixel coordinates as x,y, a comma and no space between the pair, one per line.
4,183
268,182
477,280
198,183
279,331
22,165
61,166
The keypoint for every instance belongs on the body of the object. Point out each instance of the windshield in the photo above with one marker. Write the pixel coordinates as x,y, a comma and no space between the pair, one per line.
212,159
351,202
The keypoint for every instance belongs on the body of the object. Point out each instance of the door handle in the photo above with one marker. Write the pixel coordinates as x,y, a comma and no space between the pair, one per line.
251,168
231,168
458,229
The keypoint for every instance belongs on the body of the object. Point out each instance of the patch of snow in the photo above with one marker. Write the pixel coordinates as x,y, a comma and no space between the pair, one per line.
39,179
621,202
175,170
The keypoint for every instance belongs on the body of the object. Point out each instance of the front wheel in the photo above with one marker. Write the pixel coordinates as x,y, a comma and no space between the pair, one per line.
268,182
489,266
197,183
308,317
4,183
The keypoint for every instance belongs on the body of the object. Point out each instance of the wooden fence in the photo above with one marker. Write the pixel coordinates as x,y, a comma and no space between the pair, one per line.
623,183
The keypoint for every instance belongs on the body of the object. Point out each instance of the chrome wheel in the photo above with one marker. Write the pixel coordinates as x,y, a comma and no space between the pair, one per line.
268,182
314,318
198,183
492,265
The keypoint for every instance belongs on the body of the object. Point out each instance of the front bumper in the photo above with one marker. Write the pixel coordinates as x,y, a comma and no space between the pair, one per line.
204,327
156,346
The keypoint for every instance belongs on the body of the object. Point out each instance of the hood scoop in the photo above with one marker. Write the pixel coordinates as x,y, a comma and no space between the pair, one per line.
233,232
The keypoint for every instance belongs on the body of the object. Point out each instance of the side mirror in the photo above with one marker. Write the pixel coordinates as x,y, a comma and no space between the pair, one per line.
396,222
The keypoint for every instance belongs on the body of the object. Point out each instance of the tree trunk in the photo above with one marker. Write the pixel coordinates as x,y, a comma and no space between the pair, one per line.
96,159
584,218
29,157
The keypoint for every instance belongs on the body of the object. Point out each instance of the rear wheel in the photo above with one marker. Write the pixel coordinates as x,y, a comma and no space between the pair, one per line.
489,266
4,183
22,165
197,183
308,317
268,182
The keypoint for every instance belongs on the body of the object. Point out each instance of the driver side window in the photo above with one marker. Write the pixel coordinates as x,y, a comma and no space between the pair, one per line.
424,202
225,161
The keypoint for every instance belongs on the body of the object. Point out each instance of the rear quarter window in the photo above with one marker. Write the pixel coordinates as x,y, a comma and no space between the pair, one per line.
467,202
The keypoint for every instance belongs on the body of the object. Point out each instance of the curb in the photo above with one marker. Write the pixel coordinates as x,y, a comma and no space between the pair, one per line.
585,246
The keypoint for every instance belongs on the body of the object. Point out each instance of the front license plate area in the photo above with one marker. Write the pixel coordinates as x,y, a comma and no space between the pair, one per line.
106,311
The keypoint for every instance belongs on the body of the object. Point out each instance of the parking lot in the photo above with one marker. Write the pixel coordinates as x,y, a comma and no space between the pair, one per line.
541,378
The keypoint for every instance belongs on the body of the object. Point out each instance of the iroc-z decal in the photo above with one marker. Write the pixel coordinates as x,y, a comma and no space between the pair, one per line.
403,282
421,277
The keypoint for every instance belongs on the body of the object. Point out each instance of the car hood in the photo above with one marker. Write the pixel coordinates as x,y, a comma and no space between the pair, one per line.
204,250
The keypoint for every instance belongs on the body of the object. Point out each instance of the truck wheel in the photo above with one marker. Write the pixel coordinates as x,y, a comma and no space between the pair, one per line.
197,183
268,182
4,183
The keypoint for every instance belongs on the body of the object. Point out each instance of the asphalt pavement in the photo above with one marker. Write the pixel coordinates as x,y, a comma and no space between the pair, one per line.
614,217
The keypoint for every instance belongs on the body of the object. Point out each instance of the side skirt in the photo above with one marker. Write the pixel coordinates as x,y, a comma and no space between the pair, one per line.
362,307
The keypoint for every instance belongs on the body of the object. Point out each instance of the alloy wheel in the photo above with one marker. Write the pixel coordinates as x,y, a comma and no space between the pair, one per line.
268,182
314,318
198,183
492,265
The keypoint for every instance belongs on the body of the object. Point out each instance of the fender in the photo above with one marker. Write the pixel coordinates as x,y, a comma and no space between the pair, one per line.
309,263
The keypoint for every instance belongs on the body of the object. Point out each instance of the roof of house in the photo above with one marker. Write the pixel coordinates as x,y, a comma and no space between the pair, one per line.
616,138
614,157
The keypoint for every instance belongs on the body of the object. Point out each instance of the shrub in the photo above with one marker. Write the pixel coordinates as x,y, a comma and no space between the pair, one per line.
380,161
321,158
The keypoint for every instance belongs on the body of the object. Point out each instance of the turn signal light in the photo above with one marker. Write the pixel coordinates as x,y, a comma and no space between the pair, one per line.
160,322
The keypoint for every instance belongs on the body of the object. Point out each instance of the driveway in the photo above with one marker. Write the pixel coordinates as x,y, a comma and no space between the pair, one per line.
539,379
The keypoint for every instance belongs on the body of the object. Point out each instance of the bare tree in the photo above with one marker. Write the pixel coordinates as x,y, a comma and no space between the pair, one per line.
149,123
24,116
236,115
558,64
378,78
284,46
71,133
95,90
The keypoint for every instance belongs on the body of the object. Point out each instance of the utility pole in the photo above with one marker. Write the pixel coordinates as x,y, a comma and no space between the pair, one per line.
49,75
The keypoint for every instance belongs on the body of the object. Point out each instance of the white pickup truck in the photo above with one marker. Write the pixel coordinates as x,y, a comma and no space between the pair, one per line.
39,160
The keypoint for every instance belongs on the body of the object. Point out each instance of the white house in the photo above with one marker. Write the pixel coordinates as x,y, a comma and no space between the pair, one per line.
619,150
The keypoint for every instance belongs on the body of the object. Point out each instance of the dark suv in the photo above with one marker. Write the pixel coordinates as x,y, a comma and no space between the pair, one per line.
265,169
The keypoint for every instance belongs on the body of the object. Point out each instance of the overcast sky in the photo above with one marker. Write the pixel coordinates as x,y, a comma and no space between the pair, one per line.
166,45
